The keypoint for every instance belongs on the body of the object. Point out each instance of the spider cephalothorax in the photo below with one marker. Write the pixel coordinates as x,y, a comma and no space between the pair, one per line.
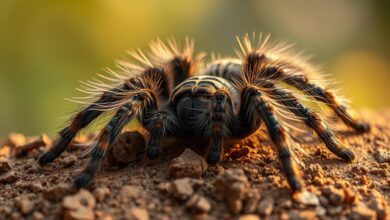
172,95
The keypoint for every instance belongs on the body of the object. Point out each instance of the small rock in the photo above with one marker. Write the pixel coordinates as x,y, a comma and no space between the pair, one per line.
249,217
182,188
101,193
126,148
382,157
335,196
42,141
5,166
379,205
266,206
306,198
361,212
188,164
24,205
251,201
35,187
231,186
16,140
137,214
349,196
9,177
129,192
56,193
5,152
79,206
68,161
198,204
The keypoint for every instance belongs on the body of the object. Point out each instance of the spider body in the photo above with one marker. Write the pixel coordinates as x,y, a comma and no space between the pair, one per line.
225,101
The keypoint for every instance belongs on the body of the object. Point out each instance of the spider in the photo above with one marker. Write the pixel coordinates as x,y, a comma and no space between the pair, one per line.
172,94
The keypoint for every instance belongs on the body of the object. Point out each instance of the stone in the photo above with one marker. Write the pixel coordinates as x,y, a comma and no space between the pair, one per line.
249,217
382,157
57,192
137,214
41,141
361,212
198,204
79,206
335,196
68,161
16,140
24,205
5,166
101,193
182,188
126,149
188,164
266,206
9,177
306,198
130,192
231,186
378,203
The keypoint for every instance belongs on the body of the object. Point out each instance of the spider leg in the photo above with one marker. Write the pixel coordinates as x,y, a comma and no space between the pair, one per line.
254,101
79,121
218,122
301,82
159,124
106,137
312,120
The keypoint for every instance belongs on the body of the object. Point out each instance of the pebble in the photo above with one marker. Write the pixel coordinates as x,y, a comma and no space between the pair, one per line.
361,212
126,148
382,157
41,141
266,206
335,196
24,205
9,177
231,186
101,193
182,188
188,164
16,140
198,204
79,206
137,214
5,166
57,192
306,198
249,217
130,192
68,161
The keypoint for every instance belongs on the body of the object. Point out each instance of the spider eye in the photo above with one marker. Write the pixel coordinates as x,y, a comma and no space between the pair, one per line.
138,97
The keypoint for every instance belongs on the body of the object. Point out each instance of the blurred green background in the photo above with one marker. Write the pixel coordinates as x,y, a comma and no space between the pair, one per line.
47,46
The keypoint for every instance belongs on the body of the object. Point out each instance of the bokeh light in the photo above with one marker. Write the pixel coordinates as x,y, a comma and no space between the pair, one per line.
46,47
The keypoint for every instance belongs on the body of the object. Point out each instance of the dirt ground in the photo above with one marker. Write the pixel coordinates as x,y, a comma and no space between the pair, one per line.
247,185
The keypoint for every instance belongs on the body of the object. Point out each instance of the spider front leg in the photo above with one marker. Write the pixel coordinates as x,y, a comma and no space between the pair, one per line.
80,121
106,137
158,123
217,129
258,107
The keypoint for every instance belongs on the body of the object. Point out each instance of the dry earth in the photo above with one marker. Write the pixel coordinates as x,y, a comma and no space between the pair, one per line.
248,184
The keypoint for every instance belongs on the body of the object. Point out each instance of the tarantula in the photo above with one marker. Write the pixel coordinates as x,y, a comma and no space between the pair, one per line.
172,95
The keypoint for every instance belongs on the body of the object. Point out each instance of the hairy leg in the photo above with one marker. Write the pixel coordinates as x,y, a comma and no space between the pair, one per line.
302,83
255,103
79,121
312,120
218,125
106,137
